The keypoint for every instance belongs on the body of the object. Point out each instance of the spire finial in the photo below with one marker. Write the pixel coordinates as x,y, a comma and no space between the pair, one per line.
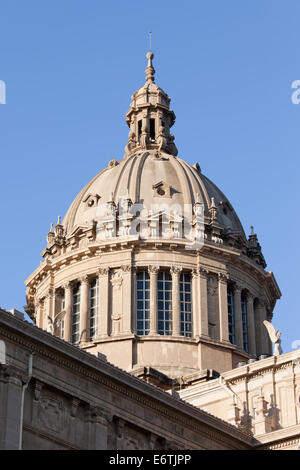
150,37
252,230
150,71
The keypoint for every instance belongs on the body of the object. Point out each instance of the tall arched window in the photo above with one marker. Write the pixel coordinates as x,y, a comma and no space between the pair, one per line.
186,325
164,303
231,315
76,313
93,309
142,303
244,321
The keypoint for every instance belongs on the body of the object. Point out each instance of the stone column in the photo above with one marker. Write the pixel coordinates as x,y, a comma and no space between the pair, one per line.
196,302
68,315
223,307
133,297
103,297
84,309
10,407
203,319
153,271
264,337
49,326
127,298
238,316
251,325
40,313
175,272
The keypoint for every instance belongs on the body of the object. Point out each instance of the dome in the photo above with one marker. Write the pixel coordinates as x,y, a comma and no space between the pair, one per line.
144,178
151,266
152,175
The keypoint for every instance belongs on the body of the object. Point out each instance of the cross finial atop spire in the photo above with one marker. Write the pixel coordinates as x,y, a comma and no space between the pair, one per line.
150,71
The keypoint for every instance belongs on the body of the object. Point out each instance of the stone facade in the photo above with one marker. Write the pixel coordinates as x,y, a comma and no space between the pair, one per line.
152,216
262,397
74,400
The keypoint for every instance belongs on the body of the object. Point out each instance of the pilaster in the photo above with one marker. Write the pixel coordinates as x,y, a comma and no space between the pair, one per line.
251,325
127,298
103,297
84,310
264,337
153,272
175,273
68,307
10,407
238,316
223,307
203,320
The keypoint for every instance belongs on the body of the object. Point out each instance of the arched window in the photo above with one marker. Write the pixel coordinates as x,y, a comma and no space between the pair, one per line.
164,303
244,321
142,303
76,313
93,309
186,325
231,315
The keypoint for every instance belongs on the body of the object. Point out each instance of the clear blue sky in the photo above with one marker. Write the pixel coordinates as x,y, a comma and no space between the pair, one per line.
70,67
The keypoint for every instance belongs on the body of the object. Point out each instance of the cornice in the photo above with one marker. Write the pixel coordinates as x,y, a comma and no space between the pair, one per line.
279,439
66,355
93,249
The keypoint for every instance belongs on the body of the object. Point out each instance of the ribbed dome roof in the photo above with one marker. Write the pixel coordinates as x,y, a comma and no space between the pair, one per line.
140,176
150,172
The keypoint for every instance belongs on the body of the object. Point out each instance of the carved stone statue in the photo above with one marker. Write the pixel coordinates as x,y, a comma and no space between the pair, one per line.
131,144
161,139
171,146
144,138
274,337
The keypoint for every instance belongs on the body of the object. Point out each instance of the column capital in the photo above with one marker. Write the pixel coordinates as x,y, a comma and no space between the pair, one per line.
68,285
237,287
223,277
11,374
103,271
195,273
203,272
175,270
153,269
50,292
262,302
126,268
84,279
249,296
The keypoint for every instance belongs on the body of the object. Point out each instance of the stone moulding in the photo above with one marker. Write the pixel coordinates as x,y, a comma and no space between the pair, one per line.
49,347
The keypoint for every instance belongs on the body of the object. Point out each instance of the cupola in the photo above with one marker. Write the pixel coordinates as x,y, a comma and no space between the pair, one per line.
150,117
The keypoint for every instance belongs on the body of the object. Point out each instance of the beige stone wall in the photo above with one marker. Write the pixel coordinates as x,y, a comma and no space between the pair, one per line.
116,269
74,400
